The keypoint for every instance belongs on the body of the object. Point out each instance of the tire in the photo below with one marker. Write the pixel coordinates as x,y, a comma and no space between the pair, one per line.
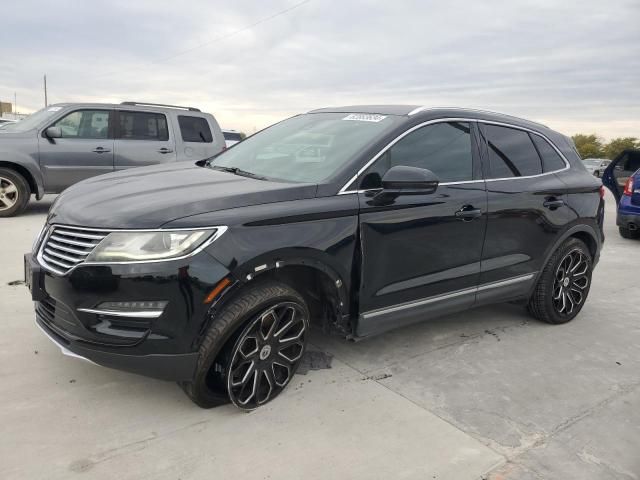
630,234
229,344
561,292
14,193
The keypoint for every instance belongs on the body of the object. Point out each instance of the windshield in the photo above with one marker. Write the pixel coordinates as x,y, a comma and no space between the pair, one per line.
306,148
32,121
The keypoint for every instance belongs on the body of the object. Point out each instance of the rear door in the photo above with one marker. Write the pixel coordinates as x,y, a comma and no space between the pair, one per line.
142,138
85,149
527,206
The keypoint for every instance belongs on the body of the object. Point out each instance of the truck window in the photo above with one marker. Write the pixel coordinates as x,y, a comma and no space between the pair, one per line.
194,129
85,124
142,126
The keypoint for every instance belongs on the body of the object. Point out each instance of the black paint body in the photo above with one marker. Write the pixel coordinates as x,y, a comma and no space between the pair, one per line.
393,264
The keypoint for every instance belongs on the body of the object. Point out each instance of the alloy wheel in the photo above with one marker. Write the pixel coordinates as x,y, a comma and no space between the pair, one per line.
266,355
8,194
571,282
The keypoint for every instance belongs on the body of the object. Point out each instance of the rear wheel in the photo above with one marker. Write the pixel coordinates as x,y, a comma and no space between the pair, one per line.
14,193
252,349
628,233
564,284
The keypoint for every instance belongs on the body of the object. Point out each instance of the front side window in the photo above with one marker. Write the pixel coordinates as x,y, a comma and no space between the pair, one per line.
511,153
142,126
85,124
307,148
551,160
444,148
194,129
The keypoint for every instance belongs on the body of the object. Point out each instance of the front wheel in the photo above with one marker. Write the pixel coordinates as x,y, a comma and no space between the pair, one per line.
252,349
564,284
14,193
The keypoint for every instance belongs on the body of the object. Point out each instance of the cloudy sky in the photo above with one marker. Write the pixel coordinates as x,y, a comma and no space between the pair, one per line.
574,65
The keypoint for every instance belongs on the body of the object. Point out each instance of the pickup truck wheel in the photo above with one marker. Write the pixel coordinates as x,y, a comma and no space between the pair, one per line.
14,193
627,233
264,331
563,285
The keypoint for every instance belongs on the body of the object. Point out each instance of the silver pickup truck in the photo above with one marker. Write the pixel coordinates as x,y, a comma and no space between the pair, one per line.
65,143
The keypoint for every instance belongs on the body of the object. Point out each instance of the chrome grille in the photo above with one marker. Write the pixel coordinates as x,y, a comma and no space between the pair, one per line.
65,247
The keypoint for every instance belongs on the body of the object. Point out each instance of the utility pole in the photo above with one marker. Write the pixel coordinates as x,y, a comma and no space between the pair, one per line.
46,103
15,103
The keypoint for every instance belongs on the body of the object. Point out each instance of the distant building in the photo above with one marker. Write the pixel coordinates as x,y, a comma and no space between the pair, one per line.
6,107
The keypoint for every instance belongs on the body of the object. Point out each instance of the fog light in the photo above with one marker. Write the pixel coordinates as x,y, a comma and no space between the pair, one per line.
138,306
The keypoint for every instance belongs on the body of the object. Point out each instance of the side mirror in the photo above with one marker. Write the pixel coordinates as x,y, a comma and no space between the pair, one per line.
53,132
401,180
410,180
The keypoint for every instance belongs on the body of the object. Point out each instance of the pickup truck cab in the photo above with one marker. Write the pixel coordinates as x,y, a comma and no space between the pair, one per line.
64,143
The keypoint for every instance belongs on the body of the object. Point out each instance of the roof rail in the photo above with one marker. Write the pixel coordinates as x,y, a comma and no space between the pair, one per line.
147,104
477,110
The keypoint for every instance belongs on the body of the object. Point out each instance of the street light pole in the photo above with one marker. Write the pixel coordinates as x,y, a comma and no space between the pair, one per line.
46,103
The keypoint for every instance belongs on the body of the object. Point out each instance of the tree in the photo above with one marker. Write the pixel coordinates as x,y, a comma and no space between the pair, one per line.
588,146
617,145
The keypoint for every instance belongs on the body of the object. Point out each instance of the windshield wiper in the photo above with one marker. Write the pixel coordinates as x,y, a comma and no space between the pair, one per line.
239,171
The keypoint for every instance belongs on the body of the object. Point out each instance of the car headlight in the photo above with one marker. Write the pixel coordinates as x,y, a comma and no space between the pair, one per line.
149,246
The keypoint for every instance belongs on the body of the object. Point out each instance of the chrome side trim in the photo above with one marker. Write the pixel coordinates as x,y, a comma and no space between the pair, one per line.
446,296
426,301
220,230
64,350
121,313
345,190
478,110
504,283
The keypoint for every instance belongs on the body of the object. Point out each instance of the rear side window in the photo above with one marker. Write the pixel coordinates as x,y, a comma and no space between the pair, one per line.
142,126
443,148
551,160
511,153
194,129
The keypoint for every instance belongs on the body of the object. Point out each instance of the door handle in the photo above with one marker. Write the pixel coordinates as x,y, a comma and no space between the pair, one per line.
165,150
101,150
552,203
468,213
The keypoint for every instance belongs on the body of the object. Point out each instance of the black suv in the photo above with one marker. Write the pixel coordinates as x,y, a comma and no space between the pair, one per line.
357,219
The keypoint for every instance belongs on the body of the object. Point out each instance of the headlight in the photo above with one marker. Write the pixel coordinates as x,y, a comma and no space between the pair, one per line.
149,246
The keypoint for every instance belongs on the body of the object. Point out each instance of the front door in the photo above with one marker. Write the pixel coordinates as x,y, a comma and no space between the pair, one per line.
421,253
142,138
85,149
619,171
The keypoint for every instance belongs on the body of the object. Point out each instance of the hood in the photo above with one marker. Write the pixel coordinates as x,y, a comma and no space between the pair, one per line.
149,197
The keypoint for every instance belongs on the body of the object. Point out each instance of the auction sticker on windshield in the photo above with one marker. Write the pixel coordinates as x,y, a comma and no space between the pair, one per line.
365,117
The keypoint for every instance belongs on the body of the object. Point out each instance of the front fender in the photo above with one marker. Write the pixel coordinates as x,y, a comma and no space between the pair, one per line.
26,165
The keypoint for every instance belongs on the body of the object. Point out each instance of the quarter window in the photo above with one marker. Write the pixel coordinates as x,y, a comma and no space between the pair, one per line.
85,124
142,126
551,161
511,153
444,148
194,129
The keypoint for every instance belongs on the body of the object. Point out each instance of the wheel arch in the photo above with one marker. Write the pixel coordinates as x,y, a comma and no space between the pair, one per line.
582,232
34,180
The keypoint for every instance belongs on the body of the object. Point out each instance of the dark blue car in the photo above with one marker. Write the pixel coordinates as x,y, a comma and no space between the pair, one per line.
622,177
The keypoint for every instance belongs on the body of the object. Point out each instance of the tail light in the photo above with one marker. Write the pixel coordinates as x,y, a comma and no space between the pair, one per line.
628,187
601,191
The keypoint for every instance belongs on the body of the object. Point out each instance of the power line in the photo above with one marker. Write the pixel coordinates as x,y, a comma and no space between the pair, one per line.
234,33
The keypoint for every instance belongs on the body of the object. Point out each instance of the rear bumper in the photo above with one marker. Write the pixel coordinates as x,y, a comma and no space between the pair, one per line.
625,220
165,367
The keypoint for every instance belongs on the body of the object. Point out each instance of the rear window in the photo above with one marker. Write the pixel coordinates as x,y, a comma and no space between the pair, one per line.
551,160
194,129
233,136
511,153
142,126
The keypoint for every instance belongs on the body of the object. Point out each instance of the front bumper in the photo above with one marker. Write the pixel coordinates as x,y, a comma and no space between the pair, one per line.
164,347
